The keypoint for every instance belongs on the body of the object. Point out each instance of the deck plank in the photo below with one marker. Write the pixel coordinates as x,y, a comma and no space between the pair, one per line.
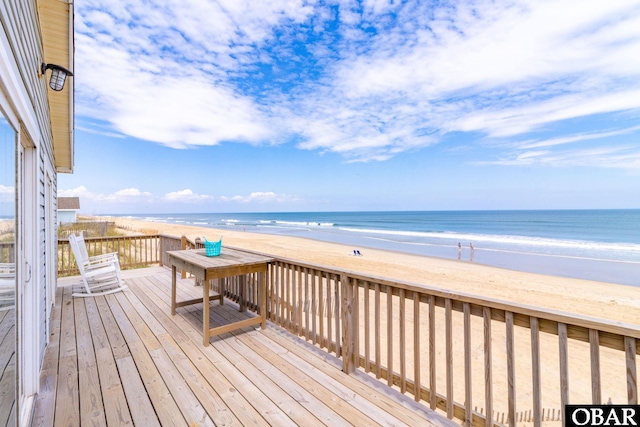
246,413
302,405
215,407
268,348
91,407
43,416
114,400
263,400
163,403
123,359
311,392
142,411
67,407
116,339
187,402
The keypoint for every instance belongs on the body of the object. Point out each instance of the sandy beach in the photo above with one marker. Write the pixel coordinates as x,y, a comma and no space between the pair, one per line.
604,300
595,299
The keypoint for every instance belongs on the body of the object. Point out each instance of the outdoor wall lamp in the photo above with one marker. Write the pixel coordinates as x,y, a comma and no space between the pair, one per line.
58,75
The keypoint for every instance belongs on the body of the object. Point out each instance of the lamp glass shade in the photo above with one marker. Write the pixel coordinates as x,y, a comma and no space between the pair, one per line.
57,80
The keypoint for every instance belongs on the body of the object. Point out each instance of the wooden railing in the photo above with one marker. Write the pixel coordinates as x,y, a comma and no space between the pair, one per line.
455,352
133,251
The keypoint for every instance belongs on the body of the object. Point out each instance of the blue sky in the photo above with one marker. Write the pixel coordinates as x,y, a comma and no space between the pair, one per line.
252,106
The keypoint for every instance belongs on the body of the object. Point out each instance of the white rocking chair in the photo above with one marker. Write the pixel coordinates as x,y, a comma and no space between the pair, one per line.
100,273
7,286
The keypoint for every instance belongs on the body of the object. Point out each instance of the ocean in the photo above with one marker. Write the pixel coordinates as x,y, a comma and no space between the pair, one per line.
602,245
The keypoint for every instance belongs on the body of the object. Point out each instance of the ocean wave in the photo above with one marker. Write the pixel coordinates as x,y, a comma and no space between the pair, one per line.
506,240
281,227
508,251
298,223
154,219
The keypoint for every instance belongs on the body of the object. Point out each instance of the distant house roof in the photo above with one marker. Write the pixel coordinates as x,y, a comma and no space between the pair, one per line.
69,203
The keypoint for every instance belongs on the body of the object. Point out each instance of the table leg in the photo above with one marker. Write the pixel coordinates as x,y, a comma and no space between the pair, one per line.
205,313
262,289
173,290
243,286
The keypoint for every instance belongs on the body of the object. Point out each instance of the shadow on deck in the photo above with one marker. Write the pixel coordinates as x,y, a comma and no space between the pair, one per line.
122,359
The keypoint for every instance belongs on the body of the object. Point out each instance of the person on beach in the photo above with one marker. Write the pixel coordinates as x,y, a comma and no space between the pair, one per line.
459,250
472,250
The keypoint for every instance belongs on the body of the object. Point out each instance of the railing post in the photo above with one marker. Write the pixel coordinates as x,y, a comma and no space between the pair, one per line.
183,246
161,250
348,334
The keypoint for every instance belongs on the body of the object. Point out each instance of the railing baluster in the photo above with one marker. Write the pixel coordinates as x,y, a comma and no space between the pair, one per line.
336,313
416,347
449,355
321,301
288,301
535,371
314,306
299,329
294,299
402,342
632,380
329,314
468,385
433,401
356,321
511,368
279,289
564,364
271,286
488,366
389,336
306,304
377,331
367,328
594,344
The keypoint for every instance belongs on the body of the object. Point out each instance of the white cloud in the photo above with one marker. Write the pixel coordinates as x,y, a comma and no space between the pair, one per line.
569,139
127,195
81,191
187,196
130,192
393,76
260,197
6,189
158,71
135,197
624,157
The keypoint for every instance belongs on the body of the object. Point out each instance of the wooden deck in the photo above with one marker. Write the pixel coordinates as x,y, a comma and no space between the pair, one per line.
122,359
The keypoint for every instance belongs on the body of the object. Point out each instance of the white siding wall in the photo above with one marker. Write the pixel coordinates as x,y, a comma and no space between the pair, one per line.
42,263
20,22
65,217
20,82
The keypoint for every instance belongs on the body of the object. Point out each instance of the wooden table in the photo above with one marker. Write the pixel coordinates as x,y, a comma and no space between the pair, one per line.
231,262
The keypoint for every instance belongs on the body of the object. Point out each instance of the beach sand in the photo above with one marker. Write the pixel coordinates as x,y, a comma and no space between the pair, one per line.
595,299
